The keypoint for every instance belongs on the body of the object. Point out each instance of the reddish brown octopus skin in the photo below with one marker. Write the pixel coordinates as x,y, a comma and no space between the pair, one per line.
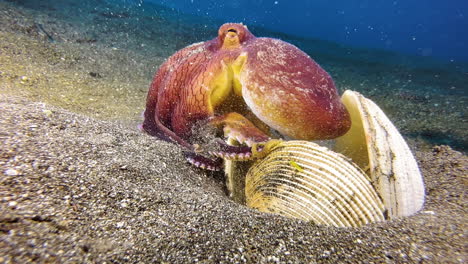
281,85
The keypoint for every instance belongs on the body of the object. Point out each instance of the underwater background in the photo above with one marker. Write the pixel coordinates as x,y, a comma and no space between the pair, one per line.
425,28
410,57
79,183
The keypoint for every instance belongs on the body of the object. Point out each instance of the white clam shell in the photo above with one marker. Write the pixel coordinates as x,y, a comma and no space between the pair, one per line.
301,179
374,143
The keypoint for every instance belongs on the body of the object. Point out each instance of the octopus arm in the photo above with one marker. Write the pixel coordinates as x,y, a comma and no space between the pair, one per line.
163,93
240,128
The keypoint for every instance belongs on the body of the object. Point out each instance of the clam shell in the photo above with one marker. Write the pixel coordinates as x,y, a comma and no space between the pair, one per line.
301,179
375,144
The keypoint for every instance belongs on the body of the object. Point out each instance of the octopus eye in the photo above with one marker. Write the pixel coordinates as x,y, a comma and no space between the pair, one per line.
232,30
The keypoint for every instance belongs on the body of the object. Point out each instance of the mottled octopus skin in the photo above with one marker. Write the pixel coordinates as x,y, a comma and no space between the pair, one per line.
280,85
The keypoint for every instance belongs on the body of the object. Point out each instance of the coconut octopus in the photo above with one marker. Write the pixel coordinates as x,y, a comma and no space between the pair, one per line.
248,87
269,100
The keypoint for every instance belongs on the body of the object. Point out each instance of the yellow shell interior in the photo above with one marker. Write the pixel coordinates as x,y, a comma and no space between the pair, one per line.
353,144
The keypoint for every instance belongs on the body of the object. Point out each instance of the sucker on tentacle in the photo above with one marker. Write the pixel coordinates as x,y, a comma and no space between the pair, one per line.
229,152
203,162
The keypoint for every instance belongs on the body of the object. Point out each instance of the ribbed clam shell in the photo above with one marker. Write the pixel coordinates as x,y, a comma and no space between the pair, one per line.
374,143
303,180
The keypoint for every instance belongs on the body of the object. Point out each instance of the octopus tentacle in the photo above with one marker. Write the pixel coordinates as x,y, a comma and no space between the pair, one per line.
242,153
162,96
239,131
229,152
240,128
204,162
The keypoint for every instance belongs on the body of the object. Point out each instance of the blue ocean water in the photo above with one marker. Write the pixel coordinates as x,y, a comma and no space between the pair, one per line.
426,28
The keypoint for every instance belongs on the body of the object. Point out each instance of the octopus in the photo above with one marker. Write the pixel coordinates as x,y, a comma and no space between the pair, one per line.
251,89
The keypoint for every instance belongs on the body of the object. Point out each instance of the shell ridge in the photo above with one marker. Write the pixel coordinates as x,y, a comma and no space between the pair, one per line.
354,188
292,205
275,165
371,210
314,213
347,195
321,202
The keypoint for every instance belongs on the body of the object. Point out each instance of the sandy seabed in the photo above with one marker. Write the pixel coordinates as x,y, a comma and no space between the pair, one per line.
80,184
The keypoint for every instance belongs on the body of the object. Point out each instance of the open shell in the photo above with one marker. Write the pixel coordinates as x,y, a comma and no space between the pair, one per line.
377,177
375,144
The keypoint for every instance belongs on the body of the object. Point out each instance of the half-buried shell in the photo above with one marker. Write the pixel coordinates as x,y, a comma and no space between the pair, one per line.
302,180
